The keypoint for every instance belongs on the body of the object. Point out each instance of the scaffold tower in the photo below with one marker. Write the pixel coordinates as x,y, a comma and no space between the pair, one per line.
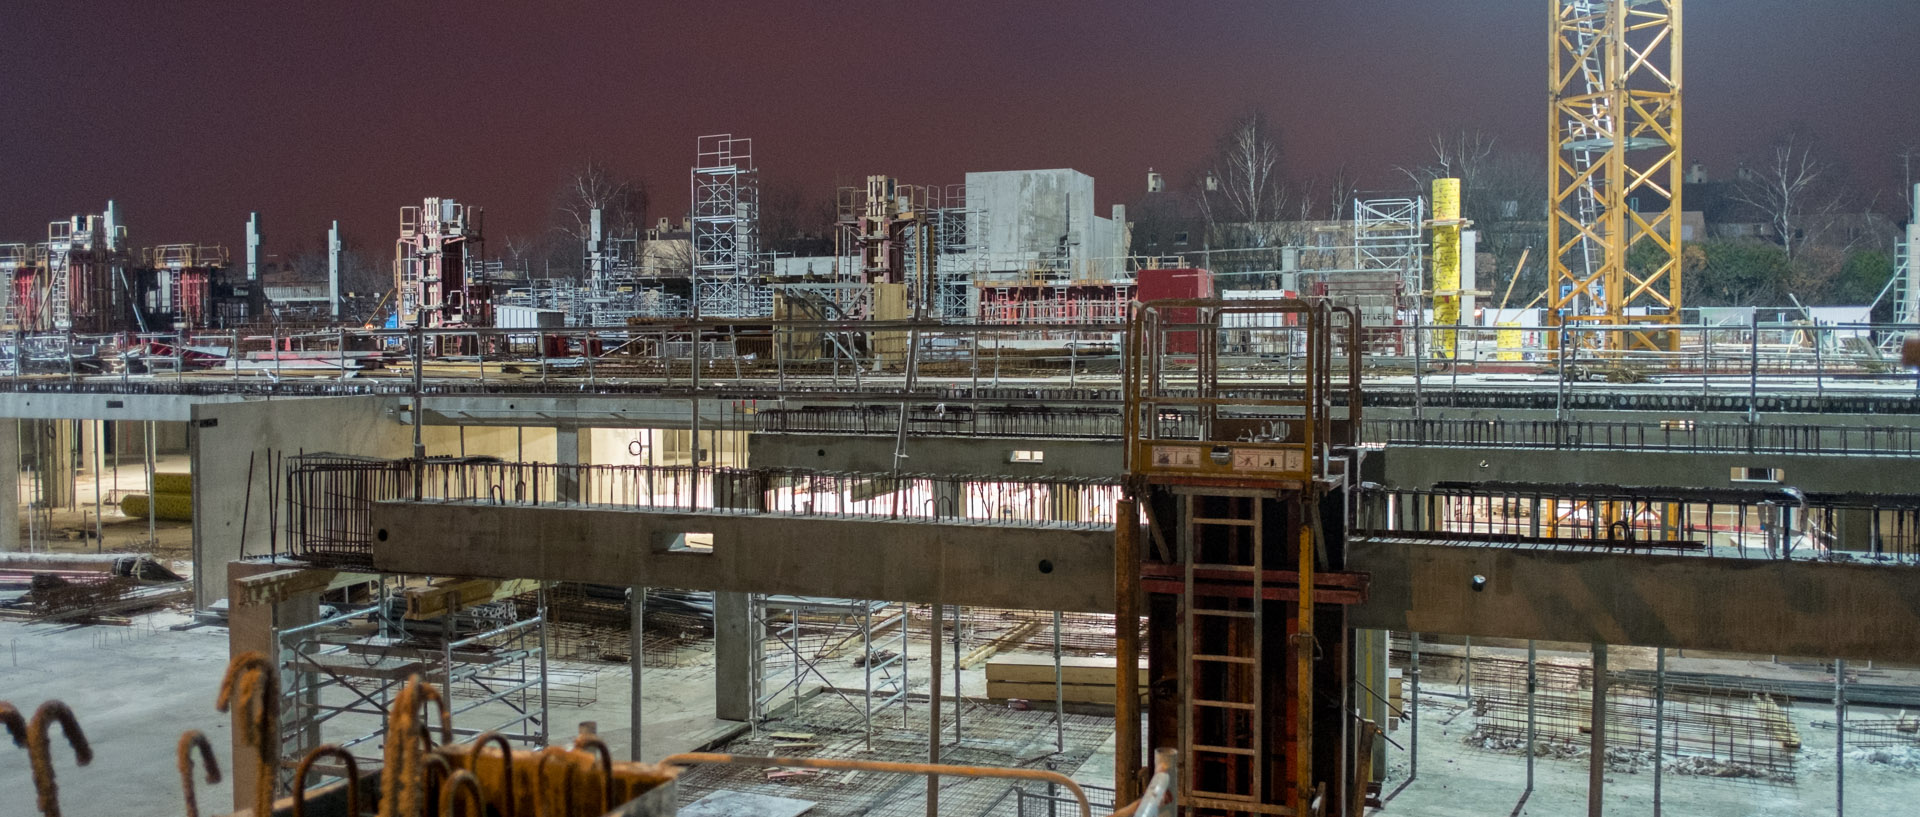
727,265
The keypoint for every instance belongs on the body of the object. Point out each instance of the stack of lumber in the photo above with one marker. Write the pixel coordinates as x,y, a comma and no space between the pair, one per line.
1030,677
172,498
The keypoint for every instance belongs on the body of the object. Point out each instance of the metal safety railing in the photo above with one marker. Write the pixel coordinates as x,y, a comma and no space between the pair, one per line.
330,499
1677,434
765,358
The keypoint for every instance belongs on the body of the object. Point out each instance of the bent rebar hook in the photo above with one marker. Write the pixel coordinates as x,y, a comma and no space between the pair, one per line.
41,755
16,724
606,767
190,740
338,752
251,680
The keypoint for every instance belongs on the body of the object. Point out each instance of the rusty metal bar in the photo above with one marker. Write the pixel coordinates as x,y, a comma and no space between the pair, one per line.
1126,629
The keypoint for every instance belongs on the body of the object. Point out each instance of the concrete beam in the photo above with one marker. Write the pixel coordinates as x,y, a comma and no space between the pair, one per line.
64,406
1420,467
1828,610
1793,608
955,563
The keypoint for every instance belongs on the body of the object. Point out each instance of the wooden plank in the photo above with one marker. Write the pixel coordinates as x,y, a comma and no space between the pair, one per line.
1069,693
1007,639
1038,668
435,600
1778,724
281,585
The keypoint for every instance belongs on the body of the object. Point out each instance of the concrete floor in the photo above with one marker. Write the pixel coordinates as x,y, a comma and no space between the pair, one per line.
72,530
1458,777
136,688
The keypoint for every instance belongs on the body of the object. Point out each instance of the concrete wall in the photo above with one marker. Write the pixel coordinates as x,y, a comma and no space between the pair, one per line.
513,443
1024,213
220,440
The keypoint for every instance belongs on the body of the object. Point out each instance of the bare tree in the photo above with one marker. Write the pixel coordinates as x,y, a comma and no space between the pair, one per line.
622,202
1503,194
1341,189
1242,183
1787,189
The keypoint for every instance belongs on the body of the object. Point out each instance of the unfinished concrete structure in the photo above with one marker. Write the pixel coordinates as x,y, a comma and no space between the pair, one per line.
1271,505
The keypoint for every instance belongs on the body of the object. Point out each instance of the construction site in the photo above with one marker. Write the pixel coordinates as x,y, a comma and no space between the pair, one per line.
980,510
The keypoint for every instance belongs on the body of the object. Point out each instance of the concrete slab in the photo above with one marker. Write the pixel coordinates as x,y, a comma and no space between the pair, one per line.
742,804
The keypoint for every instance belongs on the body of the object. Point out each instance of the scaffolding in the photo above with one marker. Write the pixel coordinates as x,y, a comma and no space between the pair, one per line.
800,633
342,672
13,259
728,270
1390,259
438,272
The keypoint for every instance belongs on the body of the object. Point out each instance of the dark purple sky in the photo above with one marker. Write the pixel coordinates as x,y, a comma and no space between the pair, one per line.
192,114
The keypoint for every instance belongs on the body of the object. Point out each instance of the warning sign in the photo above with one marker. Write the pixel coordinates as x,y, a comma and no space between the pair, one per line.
1264,459
1174,456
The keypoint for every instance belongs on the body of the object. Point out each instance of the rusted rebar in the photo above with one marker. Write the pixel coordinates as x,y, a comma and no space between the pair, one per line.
252,681
189,741
540,790
434,773
40,754
463,785
16,725
400,792
600,748
338,752
507,804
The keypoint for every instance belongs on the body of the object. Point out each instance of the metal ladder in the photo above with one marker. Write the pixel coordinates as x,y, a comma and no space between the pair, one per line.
1593,71
59,273
1220,640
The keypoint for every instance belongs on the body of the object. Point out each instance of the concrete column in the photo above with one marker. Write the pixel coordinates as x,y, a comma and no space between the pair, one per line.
1853,529
733,646
735,643
256,628
9,485
571,446
49,446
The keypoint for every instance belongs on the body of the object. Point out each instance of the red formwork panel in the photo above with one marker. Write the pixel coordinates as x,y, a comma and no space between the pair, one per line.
1169,284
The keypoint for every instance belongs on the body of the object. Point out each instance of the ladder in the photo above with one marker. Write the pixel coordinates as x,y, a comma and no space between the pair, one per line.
1220,641
59,275
1593,71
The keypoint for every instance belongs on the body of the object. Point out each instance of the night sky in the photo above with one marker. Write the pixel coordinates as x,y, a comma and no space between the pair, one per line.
192,114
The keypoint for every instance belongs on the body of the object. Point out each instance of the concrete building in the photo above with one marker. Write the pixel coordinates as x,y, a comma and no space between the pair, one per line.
1043,220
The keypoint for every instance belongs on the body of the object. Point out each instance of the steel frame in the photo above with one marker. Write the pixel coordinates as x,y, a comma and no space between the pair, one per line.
328,671
1615,149
728,269
783,665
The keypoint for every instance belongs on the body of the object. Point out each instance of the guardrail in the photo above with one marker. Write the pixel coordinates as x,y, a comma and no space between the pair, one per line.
778,356
1679,434
330,498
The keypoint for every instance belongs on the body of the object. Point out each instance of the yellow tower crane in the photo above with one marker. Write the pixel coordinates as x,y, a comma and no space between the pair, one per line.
1614,257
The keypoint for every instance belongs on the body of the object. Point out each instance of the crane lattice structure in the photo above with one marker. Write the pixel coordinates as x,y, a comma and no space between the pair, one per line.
1616,171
